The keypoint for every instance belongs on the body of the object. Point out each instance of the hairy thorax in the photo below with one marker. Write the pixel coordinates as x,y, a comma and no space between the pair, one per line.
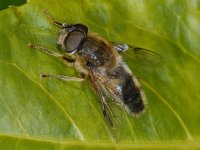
97,52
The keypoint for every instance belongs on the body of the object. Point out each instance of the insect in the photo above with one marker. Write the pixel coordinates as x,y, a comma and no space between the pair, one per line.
102,61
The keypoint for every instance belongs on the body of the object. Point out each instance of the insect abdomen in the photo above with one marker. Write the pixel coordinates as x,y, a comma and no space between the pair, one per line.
132,96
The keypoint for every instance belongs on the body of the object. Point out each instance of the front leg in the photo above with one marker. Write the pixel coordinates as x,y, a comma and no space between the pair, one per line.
57,55
49,52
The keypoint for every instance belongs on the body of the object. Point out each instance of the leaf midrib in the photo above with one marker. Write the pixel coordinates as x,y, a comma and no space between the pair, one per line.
144,144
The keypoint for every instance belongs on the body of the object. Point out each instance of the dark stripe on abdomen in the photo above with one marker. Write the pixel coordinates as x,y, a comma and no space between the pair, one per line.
132,96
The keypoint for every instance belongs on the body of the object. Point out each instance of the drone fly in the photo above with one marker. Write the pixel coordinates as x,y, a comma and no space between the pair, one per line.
102,62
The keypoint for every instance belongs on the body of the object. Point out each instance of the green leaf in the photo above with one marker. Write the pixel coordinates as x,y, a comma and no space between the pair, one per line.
52,114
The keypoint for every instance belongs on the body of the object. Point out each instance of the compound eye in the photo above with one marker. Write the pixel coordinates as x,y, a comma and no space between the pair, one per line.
73,40
82,27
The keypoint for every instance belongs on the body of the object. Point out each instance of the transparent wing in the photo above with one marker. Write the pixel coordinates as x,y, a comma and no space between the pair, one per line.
116,110
114,113
117,115
139,55
121,128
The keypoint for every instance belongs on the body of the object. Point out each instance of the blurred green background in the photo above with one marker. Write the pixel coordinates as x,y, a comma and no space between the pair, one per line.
5,3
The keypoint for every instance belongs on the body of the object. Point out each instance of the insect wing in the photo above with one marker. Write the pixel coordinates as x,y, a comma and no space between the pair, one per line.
144,56
118,122
140,56
121,129
117,117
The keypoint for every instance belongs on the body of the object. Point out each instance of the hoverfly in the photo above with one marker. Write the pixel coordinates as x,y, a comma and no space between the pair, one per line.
102,61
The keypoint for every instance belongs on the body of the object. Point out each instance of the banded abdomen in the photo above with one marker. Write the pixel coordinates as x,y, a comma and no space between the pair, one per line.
132,96
126,88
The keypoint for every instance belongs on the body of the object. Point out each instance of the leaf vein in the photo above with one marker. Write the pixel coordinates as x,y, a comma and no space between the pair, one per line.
53,98
172,110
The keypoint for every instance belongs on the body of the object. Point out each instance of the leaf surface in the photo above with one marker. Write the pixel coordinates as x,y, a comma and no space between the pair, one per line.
52,114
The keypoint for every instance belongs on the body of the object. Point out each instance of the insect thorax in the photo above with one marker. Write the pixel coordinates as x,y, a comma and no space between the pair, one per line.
97,52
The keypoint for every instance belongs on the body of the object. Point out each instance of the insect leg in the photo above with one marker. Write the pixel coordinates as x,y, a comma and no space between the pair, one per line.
105,113
61,77
51,18
47,51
